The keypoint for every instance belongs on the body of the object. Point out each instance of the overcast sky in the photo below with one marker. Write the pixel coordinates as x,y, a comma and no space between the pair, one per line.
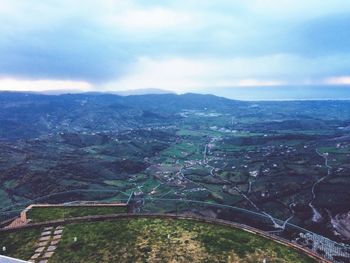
179,45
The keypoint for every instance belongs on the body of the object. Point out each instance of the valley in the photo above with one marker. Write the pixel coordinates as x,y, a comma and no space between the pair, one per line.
286,160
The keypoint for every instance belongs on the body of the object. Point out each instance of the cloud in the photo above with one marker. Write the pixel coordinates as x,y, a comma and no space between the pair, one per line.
297,9
42,85
181,74
157,18
120,44
345,80
259,83
325,35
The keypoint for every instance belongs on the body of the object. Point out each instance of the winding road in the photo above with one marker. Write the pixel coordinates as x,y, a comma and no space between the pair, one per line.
317,217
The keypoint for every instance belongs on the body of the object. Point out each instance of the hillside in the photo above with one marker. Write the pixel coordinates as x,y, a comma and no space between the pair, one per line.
289,160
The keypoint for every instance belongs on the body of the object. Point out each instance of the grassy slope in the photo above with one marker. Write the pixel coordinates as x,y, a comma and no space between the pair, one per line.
19,244
146,240
53,213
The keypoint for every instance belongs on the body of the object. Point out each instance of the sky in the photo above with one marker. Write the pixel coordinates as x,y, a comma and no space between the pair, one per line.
182,45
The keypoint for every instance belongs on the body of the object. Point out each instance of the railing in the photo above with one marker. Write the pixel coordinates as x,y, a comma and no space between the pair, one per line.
65,197
330,250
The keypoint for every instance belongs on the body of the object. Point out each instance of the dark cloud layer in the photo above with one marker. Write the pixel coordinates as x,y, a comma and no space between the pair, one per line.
104,41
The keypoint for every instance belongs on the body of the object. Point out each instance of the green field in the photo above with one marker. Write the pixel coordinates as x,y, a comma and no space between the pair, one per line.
153,240
166,240
42,214
20,244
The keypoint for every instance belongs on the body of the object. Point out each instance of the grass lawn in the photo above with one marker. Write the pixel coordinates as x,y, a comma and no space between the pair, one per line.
19,244
41,214
167,240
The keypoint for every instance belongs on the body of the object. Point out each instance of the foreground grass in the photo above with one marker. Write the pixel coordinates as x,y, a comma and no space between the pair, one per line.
20,244
167,240
41,214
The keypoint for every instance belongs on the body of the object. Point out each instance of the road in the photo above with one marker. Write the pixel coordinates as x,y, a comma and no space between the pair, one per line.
317,217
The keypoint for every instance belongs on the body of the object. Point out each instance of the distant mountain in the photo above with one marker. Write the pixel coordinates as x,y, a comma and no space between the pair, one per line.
306,92
120,93
58,92
26,115
142,92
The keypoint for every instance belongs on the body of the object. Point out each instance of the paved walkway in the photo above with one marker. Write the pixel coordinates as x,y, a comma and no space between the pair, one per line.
47,244
24,220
